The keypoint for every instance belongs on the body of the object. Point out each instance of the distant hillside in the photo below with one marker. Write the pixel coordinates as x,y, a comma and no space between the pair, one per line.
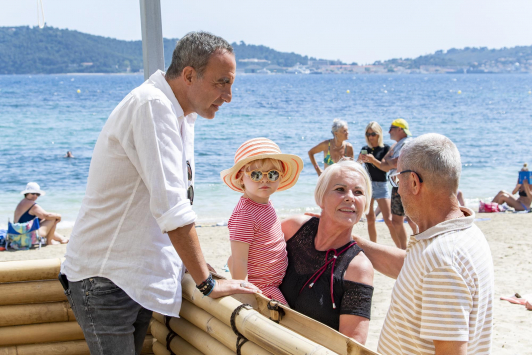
26,50
467,57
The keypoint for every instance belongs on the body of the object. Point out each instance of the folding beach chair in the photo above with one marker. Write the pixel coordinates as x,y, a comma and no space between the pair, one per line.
21,236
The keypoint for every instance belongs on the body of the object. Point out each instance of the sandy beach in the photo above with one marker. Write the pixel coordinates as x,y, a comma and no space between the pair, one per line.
511,246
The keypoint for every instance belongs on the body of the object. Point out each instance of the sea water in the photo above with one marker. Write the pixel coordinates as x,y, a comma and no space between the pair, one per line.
489,117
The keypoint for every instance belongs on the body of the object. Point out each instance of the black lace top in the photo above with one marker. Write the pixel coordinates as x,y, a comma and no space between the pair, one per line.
303,261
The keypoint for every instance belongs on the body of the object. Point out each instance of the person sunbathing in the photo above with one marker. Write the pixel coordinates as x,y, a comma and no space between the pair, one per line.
522,202
28,209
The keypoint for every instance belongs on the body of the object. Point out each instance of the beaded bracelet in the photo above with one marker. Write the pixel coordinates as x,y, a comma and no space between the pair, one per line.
207,286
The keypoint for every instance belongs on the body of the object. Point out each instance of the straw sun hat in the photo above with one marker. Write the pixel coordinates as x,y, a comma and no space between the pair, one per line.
33,188
262,148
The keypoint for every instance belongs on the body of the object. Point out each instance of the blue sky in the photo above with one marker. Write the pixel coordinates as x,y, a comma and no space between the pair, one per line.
361,31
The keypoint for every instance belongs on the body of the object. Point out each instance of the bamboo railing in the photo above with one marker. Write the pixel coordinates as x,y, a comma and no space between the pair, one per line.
35,316
295,333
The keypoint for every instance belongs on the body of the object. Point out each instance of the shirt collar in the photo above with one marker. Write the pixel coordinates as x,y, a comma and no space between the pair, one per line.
449,226
159,80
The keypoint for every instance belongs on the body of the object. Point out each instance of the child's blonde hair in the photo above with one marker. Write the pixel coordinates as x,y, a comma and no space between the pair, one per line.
259,164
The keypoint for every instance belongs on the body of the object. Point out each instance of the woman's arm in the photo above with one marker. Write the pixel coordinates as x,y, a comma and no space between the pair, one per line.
349,151
516,188
239,260
315,150
359,270
369,158
40,213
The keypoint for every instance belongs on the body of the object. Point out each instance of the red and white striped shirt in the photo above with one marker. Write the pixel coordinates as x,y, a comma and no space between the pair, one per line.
257,224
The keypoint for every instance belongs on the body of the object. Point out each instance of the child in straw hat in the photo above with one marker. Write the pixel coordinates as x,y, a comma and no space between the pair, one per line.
258,248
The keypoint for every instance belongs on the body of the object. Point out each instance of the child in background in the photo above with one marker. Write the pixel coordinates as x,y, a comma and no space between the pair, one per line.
258,248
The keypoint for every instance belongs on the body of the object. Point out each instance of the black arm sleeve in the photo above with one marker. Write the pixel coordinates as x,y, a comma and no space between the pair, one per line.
357,299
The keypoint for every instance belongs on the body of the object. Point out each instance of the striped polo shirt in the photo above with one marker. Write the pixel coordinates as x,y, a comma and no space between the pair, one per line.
444,291
257,224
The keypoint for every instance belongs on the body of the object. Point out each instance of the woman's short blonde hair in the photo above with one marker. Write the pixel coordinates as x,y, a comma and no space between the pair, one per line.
344,164
259,164
375,127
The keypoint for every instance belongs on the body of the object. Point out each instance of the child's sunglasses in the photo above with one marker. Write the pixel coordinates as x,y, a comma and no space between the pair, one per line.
256,175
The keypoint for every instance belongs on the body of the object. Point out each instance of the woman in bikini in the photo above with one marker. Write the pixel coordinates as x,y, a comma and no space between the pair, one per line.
521,203
28,209
333,149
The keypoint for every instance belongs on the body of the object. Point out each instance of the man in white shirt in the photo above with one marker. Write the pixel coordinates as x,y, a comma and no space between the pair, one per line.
135,231
442,299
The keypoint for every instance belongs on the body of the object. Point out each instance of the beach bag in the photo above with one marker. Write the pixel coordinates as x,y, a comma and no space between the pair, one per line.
21,236
488,207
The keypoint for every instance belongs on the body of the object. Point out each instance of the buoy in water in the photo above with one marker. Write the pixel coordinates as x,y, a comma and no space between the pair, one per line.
348,91
459,91
78,91
530,92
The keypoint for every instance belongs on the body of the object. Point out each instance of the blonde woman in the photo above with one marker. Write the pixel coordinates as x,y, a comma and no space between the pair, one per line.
340,295
372,154
333,149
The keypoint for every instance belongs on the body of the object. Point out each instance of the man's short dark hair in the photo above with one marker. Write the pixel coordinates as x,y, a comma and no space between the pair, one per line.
194,50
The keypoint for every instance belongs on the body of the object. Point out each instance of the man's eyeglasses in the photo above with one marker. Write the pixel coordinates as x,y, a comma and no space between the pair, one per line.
256,175
190,190
394,177
372,134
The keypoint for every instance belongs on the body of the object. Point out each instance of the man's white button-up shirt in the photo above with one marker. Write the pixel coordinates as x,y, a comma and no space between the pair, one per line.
136,193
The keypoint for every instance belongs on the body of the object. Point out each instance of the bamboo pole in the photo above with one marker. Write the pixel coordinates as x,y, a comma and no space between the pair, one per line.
31,292
312,329
147,346
195,337
177,344
75,347
159,349
40,333
255,327
36,313
29,270
308,327
216,329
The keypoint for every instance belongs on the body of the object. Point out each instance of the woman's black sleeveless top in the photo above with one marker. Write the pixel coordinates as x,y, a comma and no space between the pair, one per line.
303,261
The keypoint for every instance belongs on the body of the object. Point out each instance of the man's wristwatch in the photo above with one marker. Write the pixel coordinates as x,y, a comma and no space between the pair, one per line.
207,286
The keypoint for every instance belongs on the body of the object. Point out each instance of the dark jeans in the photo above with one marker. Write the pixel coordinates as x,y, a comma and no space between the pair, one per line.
111,321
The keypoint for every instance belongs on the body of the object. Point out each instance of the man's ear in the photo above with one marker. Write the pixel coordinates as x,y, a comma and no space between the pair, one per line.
415,184
188,75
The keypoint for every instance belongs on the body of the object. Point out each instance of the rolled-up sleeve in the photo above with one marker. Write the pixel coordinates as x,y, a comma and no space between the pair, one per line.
156,148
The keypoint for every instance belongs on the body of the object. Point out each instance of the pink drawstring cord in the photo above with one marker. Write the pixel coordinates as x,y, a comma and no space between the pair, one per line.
322,269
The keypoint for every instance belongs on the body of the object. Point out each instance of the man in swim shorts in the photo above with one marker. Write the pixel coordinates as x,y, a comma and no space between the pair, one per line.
400,133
